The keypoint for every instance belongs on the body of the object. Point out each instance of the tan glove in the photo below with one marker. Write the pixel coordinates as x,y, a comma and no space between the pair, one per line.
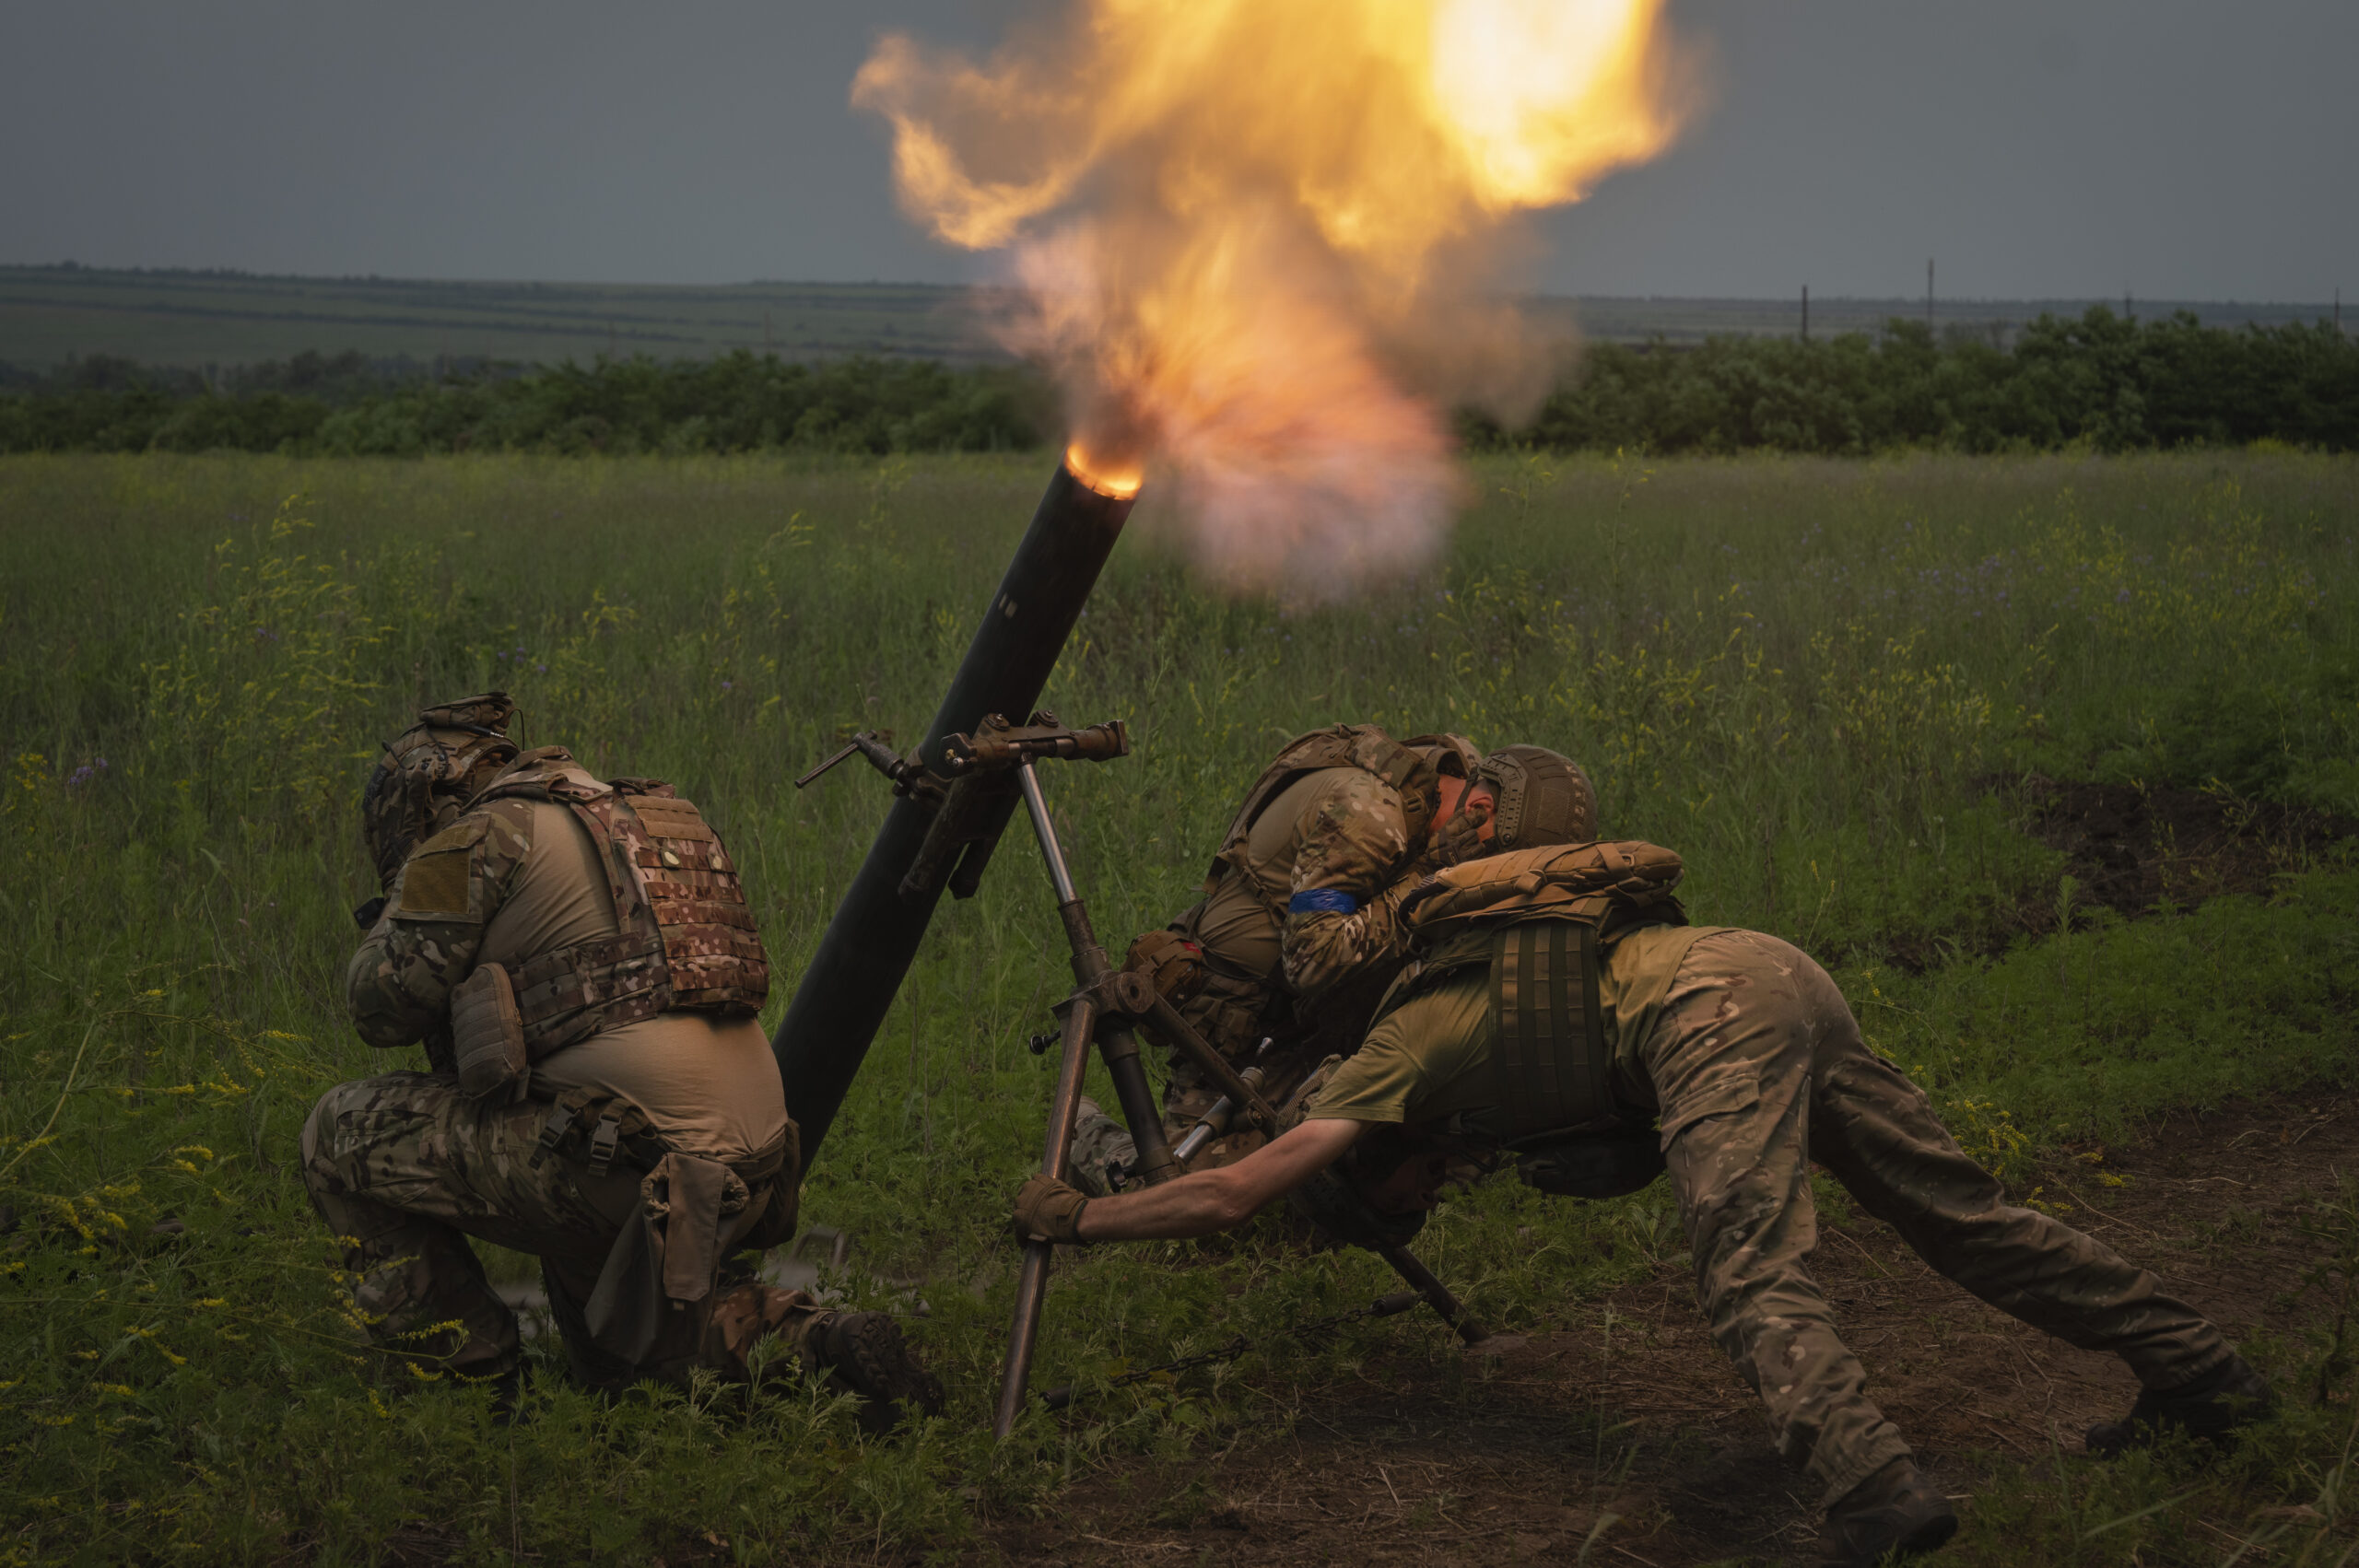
1048,1209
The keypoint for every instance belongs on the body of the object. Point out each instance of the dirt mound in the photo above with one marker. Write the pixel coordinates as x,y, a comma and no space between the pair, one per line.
1433,1458
2136,848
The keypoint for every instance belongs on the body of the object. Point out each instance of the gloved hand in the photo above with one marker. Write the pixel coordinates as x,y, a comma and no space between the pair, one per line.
1048,1209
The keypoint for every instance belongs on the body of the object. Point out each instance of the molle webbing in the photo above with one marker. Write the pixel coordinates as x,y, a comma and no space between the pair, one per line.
689,886
1554,1064
688,940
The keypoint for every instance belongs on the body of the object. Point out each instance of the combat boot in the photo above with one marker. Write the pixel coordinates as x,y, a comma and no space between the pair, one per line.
2207,1410
1894,1513
864,1353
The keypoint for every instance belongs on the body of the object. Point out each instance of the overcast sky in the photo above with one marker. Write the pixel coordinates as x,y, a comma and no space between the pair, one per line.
2178,148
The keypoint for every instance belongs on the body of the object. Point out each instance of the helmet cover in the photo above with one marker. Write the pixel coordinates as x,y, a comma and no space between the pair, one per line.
427,774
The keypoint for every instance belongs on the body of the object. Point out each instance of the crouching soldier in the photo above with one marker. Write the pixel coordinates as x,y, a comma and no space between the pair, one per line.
1298,932
1559,1008
578,957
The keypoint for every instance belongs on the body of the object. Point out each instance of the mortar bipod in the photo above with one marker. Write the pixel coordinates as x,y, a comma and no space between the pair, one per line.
1099,1013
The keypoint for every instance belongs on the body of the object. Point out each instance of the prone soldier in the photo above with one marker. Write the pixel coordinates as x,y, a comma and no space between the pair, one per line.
1298,932
1560,1008
579,959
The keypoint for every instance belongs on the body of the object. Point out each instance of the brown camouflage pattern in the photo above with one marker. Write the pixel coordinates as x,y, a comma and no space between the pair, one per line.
427,773
398,985
1561,878
1369,840
1759,1068
687,939
405,1167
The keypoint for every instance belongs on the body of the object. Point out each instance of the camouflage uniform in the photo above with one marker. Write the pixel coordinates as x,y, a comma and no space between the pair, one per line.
1300,934
405,1167
655,1143
1746,1051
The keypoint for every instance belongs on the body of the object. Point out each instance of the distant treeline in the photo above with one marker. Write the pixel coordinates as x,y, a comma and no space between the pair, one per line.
2101,381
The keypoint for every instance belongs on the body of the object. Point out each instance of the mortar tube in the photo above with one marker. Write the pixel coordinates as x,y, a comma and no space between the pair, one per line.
861,960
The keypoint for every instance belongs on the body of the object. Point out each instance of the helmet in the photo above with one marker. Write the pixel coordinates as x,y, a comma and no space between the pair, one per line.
1453,756
429,773
1543,799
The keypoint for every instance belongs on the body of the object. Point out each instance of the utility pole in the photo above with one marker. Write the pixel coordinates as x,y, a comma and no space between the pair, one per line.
2338,316
1929,294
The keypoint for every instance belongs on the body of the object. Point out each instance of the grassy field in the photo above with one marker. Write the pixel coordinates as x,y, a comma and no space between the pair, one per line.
1822,682
193,319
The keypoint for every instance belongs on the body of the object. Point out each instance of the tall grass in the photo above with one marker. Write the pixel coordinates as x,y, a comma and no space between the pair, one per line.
1815,680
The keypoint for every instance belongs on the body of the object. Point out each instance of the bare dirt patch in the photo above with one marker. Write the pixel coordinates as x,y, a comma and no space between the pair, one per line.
2137,849
1432,1458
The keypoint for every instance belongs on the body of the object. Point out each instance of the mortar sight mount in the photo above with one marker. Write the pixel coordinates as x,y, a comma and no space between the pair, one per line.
971,786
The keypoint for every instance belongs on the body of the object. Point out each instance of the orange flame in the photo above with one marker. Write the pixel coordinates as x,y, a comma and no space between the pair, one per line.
1119,480
1255,238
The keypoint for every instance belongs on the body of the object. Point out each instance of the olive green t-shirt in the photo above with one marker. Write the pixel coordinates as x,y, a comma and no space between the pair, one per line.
1429,1058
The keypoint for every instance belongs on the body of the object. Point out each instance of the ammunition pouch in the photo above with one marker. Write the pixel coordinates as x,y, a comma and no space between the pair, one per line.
668,1254
1172,963
488,1037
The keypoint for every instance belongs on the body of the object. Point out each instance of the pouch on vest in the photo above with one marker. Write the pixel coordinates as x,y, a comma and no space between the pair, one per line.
488,1035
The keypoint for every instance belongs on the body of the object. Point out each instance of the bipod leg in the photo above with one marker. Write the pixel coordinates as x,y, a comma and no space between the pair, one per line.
1081,1031
1056,1160
1420,1278
1118,1044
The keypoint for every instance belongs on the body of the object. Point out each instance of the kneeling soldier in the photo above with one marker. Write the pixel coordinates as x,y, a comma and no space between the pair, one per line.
1561,1008
578,957
1298,932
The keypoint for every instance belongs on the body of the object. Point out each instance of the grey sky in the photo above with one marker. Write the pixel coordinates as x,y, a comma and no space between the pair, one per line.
2180,149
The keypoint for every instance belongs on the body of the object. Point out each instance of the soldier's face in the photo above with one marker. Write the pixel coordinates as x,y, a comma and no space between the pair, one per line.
1480,807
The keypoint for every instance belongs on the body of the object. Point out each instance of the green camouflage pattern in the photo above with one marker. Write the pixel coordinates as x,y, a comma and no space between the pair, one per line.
1759,1068
405,1167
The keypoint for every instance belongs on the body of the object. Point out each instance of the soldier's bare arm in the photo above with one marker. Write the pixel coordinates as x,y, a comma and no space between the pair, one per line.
398,985
1355,867
1216,1200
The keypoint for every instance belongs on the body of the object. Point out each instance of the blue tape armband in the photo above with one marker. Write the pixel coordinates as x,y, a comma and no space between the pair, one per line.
1322,901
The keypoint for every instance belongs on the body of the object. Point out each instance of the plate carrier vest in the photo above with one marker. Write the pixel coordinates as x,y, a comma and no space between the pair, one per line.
1241,1004
1546,913
687,942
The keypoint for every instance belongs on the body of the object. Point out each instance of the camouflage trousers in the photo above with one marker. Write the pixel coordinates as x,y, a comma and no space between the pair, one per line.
1759,1068
405,1168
